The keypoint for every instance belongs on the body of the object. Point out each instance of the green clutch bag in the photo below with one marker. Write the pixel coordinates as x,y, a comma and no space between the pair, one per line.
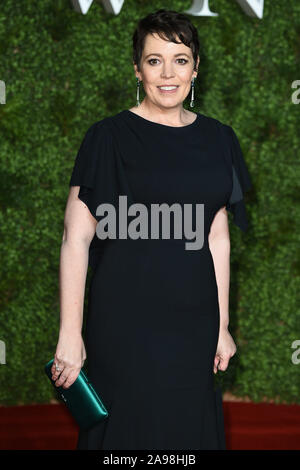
81,399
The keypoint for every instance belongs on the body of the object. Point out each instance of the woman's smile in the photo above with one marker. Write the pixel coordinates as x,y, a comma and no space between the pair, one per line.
168,88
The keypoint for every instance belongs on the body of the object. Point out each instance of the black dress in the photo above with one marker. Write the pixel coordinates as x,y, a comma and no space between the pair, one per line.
153,315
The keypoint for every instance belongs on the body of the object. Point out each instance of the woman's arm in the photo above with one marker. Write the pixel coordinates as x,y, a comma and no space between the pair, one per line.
79,230
219,245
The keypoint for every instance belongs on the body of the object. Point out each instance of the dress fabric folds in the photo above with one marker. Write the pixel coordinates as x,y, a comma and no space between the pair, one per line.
241,179
153,322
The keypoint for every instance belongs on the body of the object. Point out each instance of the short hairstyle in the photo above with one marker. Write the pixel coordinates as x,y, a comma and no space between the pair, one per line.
167,24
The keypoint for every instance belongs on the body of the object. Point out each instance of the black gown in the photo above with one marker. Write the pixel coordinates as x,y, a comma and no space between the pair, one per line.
153,316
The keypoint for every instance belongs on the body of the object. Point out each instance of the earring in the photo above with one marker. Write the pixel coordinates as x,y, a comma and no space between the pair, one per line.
137,92
192,97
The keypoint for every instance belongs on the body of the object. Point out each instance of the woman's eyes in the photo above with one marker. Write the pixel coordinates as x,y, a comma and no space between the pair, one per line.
150,61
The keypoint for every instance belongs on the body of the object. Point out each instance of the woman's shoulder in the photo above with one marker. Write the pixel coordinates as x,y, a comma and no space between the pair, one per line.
99,130
99,124
107,124
217,123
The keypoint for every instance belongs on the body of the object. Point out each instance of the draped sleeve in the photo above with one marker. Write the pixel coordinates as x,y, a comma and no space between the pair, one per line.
241,181
100,174
94,168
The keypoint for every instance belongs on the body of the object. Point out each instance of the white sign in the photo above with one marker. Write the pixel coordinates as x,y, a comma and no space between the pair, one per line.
252,8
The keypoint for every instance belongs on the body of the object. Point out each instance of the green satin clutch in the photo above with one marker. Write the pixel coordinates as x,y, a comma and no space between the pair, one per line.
81,399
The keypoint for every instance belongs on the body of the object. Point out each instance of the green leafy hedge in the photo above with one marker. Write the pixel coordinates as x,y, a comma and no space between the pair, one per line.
64,71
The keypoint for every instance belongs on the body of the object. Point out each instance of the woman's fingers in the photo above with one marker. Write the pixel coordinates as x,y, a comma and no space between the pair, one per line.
56,374
216,362
62,377
54,371
67,377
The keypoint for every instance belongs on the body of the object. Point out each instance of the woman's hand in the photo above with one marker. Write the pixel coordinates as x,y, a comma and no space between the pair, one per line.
225,350
69,357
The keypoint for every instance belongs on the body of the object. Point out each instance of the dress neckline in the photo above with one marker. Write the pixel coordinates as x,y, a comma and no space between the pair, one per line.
147,121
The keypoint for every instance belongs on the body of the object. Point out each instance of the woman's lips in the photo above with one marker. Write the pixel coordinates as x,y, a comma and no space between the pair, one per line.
168,91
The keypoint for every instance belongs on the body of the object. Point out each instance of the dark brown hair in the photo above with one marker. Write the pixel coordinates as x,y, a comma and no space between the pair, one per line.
167,24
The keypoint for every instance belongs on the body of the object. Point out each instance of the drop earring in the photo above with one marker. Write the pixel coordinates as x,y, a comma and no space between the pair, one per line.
192,97
137,91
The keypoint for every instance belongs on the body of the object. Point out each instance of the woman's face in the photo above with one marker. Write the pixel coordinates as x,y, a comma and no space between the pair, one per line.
166,63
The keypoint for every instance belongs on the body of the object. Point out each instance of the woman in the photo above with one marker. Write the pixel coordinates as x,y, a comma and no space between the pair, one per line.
157,325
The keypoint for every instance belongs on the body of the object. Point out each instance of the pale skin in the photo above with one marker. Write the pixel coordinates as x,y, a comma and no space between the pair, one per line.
166,67
79,230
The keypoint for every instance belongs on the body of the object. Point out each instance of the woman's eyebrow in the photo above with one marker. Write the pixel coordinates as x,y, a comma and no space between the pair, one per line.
175,55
